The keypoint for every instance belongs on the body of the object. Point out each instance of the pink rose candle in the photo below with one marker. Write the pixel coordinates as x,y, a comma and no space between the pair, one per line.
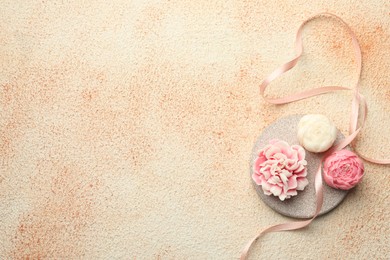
343,170
280,169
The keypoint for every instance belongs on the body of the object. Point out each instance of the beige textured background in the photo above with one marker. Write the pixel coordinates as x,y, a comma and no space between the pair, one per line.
126,126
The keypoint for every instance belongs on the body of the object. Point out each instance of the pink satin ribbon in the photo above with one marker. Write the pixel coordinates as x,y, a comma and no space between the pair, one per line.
357,102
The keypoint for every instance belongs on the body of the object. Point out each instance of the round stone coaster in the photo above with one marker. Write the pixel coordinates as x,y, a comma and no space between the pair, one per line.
303,205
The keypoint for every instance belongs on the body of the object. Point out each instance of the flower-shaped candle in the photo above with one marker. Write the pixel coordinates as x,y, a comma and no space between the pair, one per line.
280,169
316,133
343,170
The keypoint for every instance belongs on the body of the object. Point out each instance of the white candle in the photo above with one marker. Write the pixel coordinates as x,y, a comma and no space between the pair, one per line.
316,133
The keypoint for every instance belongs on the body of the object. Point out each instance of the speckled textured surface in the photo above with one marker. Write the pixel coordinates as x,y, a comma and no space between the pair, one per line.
126,126
304,204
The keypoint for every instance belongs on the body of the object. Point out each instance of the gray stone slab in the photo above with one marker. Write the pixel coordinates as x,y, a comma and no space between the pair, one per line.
303,205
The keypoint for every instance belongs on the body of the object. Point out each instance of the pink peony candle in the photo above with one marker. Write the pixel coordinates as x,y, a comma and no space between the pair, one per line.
343,170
